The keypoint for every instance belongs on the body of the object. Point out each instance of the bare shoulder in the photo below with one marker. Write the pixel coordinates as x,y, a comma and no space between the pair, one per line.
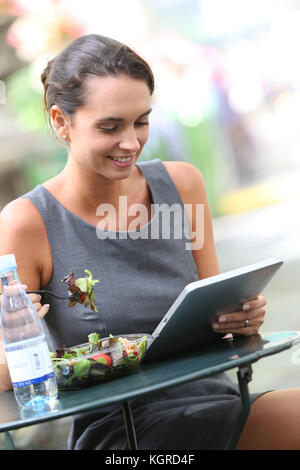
21,216
188,180
23,233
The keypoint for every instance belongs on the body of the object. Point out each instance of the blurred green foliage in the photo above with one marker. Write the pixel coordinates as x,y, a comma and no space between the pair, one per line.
38,169
26,102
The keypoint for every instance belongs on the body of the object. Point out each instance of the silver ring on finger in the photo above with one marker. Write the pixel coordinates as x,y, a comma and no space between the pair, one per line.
246,323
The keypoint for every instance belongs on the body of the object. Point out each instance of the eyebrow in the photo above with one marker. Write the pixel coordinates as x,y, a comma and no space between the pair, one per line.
111,118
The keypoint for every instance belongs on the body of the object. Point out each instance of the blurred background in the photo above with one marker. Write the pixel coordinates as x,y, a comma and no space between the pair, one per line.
227,100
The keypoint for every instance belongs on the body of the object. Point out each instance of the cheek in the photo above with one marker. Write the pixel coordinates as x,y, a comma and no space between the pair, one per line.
143,136
93,142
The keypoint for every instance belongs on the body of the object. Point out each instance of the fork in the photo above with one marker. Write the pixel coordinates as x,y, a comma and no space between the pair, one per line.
69,297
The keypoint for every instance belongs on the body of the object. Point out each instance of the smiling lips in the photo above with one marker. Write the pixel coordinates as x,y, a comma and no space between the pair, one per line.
122,161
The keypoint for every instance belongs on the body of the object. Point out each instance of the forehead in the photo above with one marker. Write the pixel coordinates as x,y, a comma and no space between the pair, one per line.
116,94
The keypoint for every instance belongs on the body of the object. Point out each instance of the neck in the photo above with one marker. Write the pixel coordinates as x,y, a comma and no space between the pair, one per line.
90,189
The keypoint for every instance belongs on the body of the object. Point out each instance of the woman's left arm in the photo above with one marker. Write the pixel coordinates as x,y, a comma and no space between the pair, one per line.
191,187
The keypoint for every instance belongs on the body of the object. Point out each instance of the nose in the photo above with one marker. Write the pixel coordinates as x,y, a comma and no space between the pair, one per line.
129,141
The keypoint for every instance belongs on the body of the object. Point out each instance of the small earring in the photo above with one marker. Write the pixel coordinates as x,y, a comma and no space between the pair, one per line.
64,136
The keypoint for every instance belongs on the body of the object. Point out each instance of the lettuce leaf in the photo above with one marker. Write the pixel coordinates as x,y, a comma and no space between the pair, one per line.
94,342
81,289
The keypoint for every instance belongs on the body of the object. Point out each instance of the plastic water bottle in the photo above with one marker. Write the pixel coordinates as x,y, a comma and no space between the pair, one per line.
25,343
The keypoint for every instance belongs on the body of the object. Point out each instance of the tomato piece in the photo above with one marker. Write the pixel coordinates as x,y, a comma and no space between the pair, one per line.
102,356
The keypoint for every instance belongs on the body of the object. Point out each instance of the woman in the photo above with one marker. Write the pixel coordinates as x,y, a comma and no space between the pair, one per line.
98,95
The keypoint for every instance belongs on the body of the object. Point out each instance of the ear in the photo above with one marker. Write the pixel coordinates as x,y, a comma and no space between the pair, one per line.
60,120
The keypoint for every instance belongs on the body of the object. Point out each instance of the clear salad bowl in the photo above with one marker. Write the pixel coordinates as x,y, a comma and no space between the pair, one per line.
98,360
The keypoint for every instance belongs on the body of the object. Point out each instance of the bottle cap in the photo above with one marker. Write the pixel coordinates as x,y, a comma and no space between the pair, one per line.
7,263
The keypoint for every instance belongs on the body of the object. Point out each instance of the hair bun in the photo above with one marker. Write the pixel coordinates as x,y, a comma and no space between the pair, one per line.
46,72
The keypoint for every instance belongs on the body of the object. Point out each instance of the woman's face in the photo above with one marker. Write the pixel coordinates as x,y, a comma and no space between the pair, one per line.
108,133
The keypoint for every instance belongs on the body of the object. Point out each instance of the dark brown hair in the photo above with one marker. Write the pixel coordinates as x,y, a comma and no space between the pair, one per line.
64,76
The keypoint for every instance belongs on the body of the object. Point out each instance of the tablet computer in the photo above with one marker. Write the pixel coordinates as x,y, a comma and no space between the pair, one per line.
187,324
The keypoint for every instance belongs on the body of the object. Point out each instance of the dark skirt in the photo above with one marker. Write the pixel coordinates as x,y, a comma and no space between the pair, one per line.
198,415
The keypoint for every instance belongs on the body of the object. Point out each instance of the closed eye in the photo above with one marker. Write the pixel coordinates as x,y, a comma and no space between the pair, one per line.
112,129
108,129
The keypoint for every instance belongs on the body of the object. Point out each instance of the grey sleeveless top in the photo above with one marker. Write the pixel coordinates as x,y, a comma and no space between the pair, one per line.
140,272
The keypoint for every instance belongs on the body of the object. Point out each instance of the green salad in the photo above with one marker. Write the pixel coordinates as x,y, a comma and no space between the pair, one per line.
96,361
81,290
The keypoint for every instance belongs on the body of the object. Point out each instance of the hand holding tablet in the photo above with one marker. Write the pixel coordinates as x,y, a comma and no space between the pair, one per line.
244,322
188,323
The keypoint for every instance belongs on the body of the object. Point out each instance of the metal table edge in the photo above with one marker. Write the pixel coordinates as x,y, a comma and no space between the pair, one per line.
247,359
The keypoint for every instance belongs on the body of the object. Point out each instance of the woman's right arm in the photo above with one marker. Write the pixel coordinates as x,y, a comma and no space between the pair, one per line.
23,234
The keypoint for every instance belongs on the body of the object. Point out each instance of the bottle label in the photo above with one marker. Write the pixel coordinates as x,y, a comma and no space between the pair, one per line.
29,362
